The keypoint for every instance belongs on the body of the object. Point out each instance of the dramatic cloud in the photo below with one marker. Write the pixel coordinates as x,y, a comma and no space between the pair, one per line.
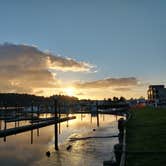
24,68
109,82
24,56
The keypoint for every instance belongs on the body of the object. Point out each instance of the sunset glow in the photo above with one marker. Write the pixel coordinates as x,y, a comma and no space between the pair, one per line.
70,91
72,60
74,73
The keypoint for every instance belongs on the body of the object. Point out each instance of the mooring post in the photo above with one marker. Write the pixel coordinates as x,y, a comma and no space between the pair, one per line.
81,112
67,112
67,120
59,112
91,118
32,111
5,124
97,114
55,125
5,131
81,117
121,123
18,113
32,122
15,111
38,107
103,117
0,124
32,136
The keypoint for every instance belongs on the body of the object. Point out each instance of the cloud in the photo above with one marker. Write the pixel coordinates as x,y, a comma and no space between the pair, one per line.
122,89
80,94
24,68
109,82
24,56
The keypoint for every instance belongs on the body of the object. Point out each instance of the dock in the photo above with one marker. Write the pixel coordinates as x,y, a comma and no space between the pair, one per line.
17,130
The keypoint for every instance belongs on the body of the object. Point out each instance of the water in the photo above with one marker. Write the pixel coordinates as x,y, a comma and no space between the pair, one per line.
93,148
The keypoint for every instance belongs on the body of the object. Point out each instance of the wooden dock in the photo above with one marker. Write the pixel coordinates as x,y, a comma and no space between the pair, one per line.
17,130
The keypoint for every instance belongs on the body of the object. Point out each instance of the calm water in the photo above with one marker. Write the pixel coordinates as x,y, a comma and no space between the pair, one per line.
18,150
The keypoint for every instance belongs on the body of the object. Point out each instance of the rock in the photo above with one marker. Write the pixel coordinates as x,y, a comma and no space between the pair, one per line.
109,163
69,147
48,153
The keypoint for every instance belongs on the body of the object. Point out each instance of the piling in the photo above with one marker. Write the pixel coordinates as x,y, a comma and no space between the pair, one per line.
15,116
55,125
97,114
0,124
118,152
32,122
5,125
5,131
121,122
38,107
31,136
59,118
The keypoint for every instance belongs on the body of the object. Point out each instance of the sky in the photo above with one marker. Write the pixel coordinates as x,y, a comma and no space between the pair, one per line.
91,49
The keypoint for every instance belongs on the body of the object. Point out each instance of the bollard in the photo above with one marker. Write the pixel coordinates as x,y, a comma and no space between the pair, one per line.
118,152
121,126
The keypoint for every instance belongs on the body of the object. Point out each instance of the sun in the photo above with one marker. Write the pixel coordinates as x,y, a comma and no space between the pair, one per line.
70,91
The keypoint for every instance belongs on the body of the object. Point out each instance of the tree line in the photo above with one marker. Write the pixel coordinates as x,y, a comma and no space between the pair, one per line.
23,100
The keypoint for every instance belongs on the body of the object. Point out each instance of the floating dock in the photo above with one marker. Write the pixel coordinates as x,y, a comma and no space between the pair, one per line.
17,130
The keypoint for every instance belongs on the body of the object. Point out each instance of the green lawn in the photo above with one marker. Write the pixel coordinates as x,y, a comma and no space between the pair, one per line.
146,133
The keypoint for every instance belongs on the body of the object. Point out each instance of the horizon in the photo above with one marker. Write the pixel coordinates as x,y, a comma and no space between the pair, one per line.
83,49
70,96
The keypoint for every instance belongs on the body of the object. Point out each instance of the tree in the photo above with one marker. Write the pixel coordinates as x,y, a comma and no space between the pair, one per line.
115,99
122,99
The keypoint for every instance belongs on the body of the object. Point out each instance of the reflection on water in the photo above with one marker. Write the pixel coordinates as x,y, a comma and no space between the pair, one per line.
18,150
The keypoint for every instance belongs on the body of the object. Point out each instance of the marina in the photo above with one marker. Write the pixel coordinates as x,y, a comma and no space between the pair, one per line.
76,139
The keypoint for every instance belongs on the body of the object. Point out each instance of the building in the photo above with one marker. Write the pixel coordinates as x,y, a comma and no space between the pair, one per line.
157,94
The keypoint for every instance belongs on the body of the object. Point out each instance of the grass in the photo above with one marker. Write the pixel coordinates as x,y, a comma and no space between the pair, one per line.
146,133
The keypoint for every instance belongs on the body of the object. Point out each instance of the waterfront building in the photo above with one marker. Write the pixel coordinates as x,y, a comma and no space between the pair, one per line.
157,94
